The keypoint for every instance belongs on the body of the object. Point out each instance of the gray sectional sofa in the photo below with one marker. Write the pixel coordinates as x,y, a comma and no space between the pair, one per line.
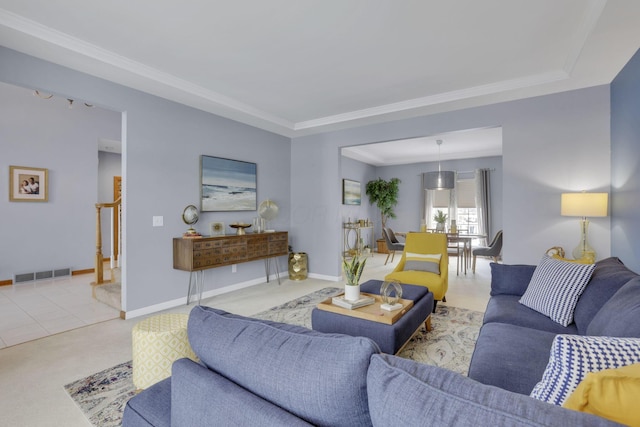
260,373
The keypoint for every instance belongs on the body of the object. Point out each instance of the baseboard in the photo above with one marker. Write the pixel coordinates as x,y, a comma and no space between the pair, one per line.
208,294
85,271
73,273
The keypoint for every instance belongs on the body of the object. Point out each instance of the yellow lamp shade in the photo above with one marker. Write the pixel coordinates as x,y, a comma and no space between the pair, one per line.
584,204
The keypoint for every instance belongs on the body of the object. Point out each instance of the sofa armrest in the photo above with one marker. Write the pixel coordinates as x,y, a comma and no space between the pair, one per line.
510,279
201,397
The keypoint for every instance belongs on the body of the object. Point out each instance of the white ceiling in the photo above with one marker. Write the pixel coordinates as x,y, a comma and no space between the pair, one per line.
297,67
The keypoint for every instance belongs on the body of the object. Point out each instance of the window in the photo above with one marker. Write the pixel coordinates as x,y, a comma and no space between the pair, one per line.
466,212
467,215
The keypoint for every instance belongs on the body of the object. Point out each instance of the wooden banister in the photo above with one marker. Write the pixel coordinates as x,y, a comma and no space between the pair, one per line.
99,258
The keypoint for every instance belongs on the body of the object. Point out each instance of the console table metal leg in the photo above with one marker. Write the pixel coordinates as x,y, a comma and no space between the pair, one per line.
267,268
197,284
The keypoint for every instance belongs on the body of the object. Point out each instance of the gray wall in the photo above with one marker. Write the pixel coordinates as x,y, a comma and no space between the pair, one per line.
161,148
551,144
45,133
625,158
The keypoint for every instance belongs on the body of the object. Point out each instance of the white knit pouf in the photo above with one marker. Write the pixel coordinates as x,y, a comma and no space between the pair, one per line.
158,341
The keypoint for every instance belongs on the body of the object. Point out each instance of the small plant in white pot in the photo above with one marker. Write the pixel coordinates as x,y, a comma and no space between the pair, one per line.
352,271
440,218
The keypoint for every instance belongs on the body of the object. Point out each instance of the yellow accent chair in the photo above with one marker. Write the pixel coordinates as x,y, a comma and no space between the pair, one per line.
410,270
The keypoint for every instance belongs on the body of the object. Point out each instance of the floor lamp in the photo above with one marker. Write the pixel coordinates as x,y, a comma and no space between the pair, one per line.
584,205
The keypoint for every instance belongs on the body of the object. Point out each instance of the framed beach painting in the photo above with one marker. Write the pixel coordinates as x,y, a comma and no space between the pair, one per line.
27,184
227,185
350,192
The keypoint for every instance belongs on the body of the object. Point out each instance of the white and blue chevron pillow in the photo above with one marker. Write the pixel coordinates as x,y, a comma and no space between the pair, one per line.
574,356
555,287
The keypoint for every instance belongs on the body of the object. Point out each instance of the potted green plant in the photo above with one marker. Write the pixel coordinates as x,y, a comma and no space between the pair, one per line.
352,271
385,195
440,218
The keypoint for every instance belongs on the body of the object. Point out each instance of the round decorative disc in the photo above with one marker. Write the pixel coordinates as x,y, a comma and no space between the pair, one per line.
268,210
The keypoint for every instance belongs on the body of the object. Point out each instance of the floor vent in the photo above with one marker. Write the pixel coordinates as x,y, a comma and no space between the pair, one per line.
39,275
44,274
24,277
62,272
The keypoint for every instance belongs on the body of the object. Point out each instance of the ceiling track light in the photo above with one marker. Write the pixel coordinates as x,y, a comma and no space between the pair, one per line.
69,100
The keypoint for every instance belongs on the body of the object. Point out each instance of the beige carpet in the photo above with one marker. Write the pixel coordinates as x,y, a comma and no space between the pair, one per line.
103,395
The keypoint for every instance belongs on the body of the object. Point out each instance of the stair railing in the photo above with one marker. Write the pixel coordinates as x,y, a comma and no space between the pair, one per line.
116,210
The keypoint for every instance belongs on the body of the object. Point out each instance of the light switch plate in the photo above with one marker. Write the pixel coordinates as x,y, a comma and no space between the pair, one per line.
158,221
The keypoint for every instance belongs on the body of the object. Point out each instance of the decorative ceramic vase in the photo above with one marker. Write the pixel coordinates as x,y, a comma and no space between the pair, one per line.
440,226
351,292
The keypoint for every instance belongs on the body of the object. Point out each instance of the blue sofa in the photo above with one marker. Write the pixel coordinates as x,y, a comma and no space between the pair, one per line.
513,347
260,373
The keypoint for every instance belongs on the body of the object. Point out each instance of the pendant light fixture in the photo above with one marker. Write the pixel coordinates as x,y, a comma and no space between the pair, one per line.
440,180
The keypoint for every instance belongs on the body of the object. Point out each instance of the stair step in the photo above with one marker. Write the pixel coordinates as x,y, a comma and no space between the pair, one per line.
108,293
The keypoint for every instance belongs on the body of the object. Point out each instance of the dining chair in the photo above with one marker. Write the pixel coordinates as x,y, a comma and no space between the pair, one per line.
393,244
453,249
493,250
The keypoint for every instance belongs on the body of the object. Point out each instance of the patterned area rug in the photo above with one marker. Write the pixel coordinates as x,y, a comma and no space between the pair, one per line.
102,396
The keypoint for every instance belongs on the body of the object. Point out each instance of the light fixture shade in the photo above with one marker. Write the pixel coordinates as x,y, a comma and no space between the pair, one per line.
584,204
439,180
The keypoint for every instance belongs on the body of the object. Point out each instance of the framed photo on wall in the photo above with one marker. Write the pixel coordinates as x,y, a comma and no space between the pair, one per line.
351,192
227,185
27,184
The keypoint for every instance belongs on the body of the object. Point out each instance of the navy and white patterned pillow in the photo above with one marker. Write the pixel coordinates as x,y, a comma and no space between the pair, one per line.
555,287
574,356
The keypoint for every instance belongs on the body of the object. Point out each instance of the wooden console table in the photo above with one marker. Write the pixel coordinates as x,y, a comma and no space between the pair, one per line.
199,254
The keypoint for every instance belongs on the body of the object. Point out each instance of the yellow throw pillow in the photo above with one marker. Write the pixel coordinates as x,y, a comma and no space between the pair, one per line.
613,394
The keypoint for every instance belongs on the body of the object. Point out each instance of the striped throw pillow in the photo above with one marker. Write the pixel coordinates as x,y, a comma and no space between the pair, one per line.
572,357
555,287
422,262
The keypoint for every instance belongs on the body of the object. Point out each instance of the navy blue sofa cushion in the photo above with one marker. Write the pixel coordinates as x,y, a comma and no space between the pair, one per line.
405,393
318,377
510,279
609,275
510,357
507,309
201,398
620,316
152,407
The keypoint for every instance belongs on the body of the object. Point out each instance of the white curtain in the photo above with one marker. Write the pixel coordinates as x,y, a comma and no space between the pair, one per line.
483,202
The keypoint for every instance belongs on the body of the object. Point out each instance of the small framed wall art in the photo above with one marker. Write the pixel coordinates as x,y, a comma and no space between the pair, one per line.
216,229
350,192
227,185
27,184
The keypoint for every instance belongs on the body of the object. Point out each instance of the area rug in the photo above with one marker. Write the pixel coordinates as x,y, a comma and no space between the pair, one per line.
103,396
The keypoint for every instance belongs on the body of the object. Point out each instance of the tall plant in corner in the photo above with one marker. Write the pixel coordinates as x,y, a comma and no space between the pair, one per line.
385,195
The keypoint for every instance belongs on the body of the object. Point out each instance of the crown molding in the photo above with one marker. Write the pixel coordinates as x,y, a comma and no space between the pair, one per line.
163,84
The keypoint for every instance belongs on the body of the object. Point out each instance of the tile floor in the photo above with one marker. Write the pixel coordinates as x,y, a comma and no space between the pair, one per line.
36,309
32,374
